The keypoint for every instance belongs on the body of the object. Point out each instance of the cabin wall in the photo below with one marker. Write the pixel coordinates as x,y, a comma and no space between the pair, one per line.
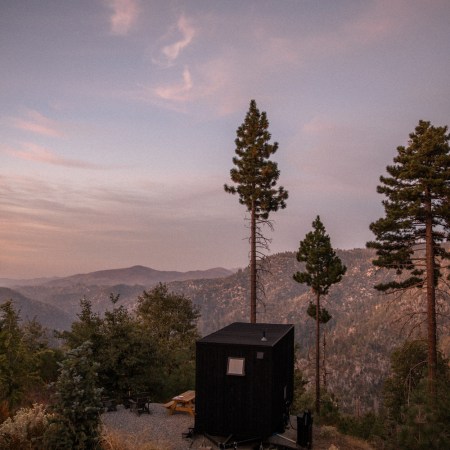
232,404
252,405
283,379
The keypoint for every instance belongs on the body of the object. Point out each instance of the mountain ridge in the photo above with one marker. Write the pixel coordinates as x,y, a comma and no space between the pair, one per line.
136,274
49,316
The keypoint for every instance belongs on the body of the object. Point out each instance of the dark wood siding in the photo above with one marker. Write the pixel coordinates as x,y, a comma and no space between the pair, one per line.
251,405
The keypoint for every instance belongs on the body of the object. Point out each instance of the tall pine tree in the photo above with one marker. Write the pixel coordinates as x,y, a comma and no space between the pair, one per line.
255,177
323,268
417,221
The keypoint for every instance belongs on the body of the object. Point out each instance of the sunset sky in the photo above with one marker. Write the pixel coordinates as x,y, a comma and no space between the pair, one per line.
118,120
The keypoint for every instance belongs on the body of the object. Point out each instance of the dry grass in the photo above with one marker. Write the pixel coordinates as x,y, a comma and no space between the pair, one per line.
325,437
115,440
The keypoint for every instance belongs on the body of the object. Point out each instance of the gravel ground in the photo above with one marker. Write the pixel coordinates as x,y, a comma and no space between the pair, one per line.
165,431
159,427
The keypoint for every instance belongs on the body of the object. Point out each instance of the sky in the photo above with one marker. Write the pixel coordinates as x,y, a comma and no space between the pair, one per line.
118,120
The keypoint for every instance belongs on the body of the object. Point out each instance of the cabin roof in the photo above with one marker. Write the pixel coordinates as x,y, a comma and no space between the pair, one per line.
239,333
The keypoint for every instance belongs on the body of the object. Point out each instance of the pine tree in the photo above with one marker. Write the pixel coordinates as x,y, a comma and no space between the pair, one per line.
323,268
256,177
76,421
17,371
417,221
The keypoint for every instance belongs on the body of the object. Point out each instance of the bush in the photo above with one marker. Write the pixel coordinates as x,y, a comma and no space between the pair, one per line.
25,429
425,421
364,427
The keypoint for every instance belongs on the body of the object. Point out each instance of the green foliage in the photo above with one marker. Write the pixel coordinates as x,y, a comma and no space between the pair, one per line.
255,175
77,406
416,420
169,320
127,356
417,192
329,410
151,351
324,315
323,267
121,348
408,368
425,423
365,427
44,359
87,328
15,376
300,383
26,361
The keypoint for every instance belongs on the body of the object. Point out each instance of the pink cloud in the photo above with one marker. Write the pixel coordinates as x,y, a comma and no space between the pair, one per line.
179,92
187,31
123,16
35,122
184,33
34,152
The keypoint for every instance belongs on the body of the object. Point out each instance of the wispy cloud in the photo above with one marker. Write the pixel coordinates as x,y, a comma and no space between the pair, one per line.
177,92
123,16
35,122
37,153
180,36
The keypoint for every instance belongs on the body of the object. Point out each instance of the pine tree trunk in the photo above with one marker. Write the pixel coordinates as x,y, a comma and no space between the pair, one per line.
317,353
324,367
253,266
431,299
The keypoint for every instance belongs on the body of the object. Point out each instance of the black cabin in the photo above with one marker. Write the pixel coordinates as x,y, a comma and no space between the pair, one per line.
244,379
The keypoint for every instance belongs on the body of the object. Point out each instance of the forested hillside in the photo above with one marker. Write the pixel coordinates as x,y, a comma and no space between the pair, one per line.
365,327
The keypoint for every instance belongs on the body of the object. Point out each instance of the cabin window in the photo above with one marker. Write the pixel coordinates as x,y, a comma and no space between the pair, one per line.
259,355
236,366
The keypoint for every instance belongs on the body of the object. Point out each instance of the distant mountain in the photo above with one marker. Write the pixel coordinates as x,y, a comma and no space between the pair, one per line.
49,316
139,275
12,282
66,293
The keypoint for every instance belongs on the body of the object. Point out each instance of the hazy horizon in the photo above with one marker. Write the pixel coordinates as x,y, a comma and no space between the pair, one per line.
118,120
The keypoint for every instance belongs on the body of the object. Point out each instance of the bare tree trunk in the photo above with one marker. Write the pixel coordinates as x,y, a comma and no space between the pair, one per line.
317,353
431,299
324,367
253,280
